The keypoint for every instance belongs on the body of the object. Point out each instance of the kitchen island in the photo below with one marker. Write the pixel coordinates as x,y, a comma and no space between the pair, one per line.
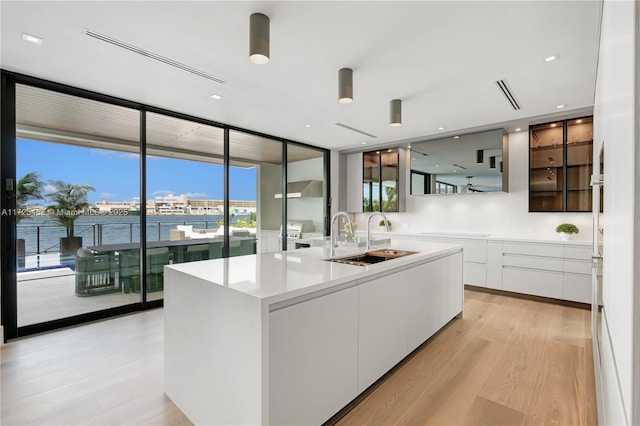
290,337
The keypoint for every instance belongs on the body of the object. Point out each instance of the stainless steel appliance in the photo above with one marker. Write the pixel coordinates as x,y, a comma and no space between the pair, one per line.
295,233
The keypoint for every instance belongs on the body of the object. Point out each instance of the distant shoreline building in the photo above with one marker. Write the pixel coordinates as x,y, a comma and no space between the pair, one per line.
178,205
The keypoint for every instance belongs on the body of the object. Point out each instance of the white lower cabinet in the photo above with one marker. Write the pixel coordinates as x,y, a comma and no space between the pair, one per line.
542,269
494,264
325,351
313,346
530,281
382,326
436,295
475,274
577,287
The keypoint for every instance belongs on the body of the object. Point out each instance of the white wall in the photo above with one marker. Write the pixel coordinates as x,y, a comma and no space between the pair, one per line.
503,213
306,208
614,127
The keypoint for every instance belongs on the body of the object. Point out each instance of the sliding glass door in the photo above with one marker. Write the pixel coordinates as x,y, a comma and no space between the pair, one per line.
77,172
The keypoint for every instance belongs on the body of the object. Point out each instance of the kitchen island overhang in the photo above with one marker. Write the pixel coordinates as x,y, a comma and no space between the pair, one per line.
232,326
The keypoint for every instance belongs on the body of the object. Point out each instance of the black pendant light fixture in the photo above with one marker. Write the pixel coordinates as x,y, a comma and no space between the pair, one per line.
480,156
259,38
395,110
345,85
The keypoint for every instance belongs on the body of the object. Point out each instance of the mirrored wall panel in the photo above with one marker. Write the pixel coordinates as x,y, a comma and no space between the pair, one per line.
472,163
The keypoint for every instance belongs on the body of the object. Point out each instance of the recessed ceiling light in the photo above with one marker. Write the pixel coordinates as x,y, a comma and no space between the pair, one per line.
437,165
518,129
216,97
578,121
409,146
441,128
551,58
364,143
560,106
307,125
414,158
31,38
456,137
389,150
553,124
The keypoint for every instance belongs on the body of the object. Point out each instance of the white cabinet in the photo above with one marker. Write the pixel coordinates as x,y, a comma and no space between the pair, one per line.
494,264
530,281
474,255
560,271
435,297
313,346
382,326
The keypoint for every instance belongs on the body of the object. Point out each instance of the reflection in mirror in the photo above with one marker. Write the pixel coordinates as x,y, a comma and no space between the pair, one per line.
461,164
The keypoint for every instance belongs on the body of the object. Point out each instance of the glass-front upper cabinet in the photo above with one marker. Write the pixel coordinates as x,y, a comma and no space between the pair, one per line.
380,181
560,163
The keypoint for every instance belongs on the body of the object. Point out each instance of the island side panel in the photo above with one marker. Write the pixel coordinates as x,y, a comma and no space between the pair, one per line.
213,351
313,358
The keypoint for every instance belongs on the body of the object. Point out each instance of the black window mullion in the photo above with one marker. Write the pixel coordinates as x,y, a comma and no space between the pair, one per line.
143,206
8,221
225,216
284,197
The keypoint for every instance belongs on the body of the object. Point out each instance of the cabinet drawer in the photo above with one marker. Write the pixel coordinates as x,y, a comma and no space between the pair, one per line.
577,288
577,267
577,252
533,262
539,283
534,249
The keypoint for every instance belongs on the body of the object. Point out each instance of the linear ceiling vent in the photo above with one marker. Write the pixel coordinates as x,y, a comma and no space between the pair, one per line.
152,55
353,129
504,88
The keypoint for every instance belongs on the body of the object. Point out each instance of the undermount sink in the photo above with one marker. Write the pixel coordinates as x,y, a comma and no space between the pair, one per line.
371,257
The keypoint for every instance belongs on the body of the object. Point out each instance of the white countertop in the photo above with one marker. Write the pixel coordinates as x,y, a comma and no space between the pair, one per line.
529,238
279,276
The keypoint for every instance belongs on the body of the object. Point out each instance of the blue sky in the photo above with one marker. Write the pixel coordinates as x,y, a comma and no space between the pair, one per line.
115,175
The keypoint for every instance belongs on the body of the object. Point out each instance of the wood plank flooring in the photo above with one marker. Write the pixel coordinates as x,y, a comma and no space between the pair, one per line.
507,362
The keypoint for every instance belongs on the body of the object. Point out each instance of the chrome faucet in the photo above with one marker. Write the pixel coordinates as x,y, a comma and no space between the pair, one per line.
386,224
334,243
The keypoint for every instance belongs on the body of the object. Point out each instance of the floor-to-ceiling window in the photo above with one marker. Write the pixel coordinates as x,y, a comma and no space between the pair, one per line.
107,192
77,172
255,177
185,194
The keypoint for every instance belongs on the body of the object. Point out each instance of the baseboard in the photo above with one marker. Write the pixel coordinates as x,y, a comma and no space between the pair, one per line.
535,298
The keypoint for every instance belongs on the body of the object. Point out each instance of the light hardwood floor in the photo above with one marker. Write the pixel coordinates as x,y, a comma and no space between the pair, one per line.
508,361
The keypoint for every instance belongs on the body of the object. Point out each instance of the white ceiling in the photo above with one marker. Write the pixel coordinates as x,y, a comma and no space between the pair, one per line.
441,58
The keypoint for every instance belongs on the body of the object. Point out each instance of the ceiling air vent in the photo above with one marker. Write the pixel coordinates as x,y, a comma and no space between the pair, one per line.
504,88
152,55
353,129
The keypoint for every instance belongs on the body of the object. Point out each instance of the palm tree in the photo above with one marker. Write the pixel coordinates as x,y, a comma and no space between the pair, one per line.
69,200
29,188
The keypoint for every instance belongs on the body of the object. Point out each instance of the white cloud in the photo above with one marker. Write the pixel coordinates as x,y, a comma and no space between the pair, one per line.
48,189
161,193
196,196
106,195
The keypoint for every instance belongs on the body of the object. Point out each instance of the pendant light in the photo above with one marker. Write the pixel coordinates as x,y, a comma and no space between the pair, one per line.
345,85
259,38
480,156
395,109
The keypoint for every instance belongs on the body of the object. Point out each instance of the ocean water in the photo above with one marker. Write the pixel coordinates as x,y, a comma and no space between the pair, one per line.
42,235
